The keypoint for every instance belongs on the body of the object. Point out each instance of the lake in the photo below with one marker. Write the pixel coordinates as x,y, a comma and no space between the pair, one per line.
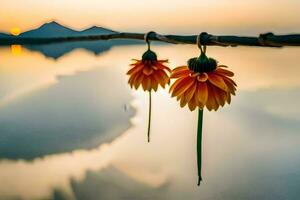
71,128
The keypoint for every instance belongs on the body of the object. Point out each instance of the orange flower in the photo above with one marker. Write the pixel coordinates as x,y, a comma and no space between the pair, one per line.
148,72
203,84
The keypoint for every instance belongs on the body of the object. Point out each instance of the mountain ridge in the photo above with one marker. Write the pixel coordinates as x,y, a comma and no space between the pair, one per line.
54,29
4,35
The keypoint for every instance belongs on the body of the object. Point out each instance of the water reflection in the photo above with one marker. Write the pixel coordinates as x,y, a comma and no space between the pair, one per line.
29,71
251,147
16,50
76,112
56,51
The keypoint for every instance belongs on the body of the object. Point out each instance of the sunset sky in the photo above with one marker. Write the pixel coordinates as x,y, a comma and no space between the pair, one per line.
176,16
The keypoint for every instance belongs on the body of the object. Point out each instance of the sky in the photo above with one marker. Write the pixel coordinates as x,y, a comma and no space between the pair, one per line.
168,16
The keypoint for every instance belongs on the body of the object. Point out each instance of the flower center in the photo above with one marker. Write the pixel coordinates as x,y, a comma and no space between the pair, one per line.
149,56
202,64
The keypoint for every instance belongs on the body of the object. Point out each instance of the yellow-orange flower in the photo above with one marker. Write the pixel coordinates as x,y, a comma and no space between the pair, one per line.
210,88
148,72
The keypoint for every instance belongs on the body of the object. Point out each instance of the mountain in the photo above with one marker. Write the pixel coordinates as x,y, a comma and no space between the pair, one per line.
3,35
56,50
95,30
54,29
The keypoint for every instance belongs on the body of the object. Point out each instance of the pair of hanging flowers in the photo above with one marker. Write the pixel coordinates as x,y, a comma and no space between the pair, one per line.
202,83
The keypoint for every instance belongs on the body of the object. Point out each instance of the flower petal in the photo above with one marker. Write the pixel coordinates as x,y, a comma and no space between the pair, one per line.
130,80
138,80
230,85
183,86
159,78
217,81
154,83
146,83
162,77
202,93
161,66
192,104
180,73
218,95
147,71
149,84
228,98
175,84
230,80
224,66
135,69
189,93
183,101
224,72
202,77
133,59
163,61
211,102
180,68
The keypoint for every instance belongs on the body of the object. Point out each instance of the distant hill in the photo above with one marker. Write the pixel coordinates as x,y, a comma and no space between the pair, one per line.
3,35
56,50
54,29
95,30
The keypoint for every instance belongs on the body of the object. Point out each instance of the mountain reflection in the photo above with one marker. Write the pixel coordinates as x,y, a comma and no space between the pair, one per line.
58,50
112,184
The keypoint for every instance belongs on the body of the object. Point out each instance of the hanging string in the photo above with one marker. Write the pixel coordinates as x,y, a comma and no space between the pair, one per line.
199,43
146,38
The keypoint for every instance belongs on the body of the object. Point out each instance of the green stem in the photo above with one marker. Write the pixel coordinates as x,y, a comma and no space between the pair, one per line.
149,117
199,144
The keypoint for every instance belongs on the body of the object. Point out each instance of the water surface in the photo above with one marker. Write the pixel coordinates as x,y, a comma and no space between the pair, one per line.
71,128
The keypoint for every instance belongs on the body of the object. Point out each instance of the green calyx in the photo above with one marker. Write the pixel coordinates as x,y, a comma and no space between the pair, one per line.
202,64
149,56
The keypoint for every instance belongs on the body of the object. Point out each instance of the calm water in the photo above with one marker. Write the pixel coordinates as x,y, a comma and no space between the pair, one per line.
71,128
